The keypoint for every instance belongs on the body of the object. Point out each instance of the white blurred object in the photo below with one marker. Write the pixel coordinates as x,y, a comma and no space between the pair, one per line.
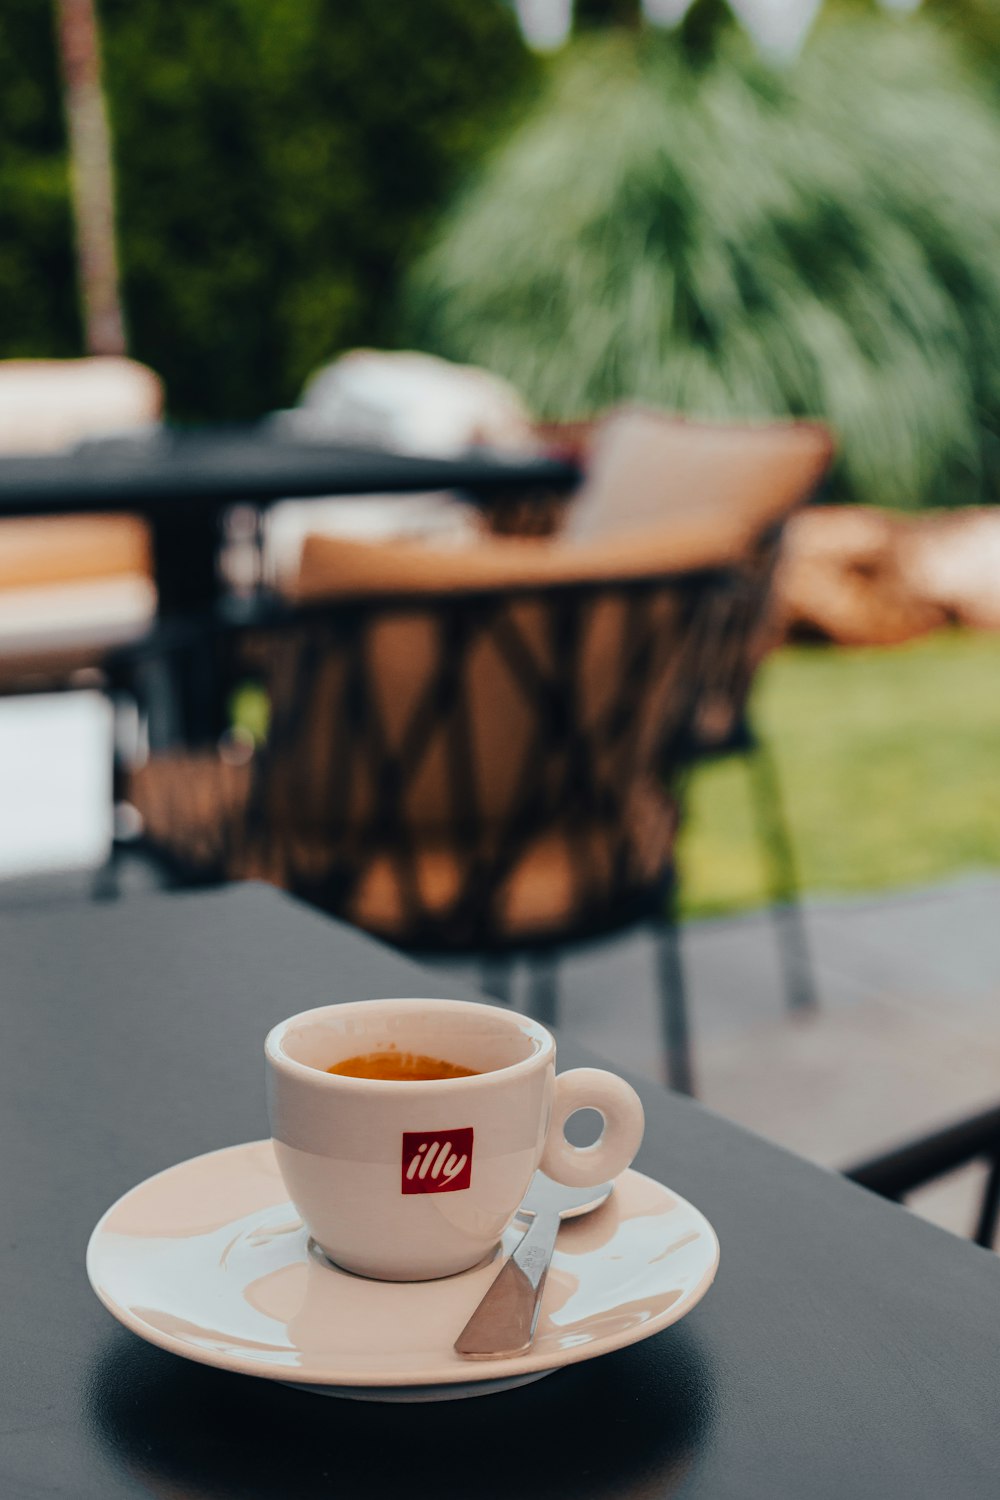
779,27
412,403
545,24
90,615
407,403
71,586
55,810
953,561
364,518
48,404
666,12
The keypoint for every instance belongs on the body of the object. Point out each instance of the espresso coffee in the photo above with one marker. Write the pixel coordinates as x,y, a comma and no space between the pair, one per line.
412,1168
400,1067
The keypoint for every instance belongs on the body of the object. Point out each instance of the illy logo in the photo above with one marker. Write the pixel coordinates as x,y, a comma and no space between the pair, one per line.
438,1161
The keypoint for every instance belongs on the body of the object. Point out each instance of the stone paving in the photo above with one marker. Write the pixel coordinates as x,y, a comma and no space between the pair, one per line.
905,1038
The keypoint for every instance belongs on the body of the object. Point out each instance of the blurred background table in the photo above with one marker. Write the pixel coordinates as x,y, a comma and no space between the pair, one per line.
183,482
846,1347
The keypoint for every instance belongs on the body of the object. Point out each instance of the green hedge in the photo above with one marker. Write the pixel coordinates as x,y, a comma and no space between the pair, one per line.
279,162
38,310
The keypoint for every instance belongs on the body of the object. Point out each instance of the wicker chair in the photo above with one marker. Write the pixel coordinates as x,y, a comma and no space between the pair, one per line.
916,1164
476,773
475,749
738,634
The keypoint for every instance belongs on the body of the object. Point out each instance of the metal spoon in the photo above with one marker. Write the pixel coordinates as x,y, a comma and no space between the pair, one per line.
504,1322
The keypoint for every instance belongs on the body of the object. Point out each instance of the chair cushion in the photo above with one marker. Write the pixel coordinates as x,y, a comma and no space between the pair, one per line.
198,809
46,635
46,550
48,404
662,496
647,470
71,588
567,881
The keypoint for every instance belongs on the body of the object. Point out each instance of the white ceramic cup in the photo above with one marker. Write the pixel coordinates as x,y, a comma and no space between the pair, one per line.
407,1181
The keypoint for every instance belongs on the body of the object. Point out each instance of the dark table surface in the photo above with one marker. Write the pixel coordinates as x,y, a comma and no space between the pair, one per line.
152,474
847,1349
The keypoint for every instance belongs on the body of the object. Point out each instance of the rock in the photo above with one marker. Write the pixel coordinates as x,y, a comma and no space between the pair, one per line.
952,561
843,577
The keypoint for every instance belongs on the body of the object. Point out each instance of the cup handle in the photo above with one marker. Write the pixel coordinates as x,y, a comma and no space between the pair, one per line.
612,1152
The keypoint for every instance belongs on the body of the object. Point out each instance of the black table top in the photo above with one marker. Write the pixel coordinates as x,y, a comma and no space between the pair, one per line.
847,1349
218,467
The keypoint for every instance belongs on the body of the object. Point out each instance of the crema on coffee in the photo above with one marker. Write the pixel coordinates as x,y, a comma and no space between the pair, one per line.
400,1067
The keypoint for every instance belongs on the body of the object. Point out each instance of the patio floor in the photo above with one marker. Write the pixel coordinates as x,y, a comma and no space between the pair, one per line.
906,1036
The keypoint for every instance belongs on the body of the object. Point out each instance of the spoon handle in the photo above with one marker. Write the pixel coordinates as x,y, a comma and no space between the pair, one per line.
504,1322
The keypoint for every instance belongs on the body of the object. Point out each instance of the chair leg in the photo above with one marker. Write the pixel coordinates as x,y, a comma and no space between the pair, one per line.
543,985
674,1030
106,884
989,1213
786,909
495,975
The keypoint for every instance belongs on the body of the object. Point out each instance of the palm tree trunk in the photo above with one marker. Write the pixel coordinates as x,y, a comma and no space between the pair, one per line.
92,177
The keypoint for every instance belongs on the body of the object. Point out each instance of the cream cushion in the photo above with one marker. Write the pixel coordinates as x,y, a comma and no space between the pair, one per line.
71,586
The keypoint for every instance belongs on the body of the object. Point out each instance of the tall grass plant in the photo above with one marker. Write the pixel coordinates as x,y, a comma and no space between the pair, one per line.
681,221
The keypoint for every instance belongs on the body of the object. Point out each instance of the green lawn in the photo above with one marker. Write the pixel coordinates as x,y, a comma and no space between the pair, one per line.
890,769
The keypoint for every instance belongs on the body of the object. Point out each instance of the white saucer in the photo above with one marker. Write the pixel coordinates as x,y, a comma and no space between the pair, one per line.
209,1260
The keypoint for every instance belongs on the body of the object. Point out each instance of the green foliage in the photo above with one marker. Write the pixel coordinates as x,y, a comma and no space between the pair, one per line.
589,13
974,24
37,288
888,770
735,239
278,162
702,28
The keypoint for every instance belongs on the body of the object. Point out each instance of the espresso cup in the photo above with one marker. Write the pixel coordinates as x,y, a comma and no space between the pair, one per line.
412,1180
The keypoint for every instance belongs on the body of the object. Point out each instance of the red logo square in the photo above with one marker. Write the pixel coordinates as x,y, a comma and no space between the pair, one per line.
437,1161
